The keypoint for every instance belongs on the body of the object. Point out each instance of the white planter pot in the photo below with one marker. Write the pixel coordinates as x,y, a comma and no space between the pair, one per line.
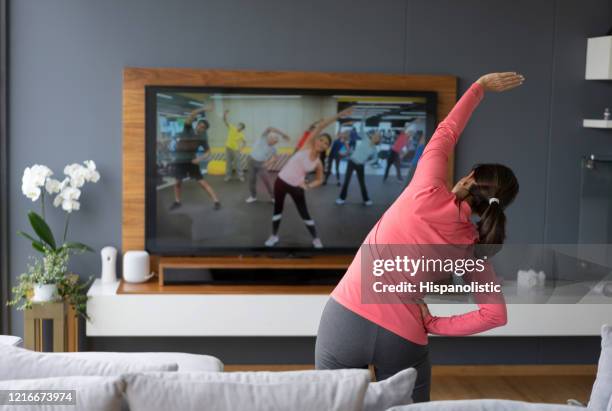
44,293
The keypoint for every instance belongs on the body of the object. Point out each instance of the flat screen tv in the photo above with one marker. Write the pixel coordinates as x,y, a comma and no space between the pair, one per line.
214,155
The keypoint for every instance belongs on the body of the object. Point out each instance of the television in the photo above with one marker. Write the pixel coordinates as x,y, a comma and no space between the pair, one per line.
214,155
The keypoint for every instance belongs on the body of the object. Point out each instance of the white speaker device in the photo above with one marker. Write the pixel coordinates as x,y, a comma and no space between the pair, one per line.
136,267
109,265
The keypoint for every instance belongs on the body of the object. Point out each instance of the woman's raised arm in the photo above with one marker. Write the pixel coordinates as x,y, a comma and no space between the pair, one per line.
433,164
322,125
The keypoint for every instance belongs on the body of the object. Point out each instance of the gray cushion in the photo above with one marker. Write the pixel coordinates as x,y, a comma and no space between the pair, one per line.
92,393
10,340
253,391
602,389
18,363
485,405
266,377
185,362
395,390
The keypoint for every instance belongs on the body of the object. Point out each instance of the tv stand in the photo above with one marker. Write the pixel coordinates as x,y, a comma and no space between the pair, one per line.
251,271
152,287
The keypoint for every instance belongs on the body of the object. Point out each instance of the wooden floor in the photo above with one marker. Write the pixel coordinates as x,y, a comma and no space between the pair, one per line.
549,389
531,383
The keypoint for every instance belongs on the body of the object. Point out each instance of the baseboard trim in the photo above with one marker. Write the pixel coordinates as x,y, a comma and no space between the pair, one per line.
452,370
508,370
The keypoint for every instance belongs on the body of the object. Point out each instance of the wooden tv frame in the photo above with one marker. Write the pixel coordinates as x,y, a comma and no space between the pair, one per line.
136,79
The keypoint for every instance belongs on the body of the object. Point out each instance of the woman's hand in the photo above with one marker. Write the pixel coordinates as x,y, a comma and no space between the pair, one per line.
501,81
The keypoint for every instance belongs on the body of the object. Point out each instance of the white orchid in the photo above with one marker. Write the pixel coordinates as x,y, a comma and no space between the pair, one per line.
38,178
93,174
30,191
37,174
68,199
65,183
80,174
33,179
52,186
76,173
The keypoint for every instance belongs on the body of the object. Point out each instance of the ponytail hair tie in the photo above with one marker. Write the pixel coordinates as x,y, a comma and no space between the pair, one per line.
493,200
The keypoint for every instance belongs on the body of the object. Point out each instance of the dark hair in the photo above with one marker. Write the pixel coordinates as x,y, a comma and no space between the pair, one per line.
206,123
327,136
492,181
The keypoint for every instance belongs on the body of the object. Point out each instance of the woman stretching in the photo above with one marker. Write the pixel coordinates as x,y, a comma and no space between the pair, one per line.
290,180
393,337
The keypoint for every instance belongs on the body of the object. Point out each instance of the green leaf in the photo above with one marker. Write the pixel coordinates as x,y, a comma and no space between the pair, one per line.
42,229
77,246
38,246
26,235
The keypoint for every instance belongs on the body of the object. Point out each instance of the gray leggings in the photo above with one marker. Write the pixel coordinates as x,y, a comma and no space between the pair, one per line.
257,168
347,340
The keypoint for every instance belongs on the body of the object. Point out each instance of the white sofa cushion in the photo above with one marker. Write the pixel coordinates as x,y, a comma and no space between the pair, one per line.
601,394
485,405
18,363
91,393
395,390
265,377
252,391
10,340
185,362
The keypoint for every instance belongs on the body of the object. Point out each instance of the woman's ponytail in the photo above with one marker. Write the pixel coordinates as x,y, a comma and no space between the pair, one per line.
492,228
494,188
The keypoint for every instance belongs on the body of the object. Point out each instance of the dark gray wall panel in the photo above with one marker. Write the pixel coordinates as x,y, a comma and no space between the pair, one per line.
65,100
67,61
470,38
573,99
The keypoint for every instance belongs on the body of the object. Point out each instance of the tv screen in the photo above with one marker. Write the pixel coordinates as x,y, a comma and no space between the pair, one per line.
227,168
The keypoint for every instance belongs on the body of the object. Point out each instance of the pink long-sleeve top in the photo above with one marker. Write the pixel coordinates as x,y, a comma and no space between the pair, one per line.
425,213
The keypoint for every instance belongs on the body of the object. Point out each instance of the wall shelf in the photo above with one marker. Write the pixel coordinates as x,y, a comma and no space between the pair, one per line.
599,58
597,123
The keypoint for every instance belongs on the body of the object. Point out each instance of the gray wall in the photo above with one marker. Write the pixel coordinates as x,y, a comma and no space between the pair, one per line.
66,58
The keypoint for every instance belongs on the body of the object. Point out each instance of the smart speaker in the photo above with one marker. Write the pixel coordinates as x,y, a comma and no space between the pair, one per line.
136,267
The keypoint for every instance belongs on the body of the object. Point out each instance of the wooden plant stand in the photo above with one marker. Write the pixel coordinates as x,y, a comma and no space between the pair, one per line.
65,326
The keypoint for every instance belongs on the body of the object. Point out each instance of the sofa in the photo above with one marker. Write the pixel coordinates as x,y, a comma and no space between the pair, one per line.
164,381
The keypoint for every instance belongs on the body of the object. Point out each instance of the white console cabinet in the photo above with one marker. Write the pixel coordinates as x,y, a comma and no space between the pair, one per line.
240,315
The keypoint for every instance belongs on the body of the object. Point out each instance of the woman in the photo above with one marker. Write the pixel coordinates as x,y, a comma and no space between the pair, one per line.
393,337
290,180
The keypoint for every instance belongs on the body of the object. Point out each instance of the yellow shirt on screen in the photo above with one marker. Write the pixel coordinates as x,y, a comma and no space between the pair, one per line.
234,137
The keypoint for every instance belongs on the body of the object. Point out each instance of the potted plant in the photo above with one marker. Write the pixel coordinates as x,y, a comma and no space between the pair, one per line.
47,278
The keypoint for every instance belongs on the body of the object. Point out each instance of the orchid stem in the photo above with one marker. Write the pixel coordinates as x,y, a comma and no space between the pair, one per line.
66,226
42,202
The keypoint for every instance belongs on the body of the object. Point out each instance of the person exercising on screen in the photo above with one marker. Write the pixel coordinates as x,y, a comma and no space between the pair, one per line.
262,155
185,161
364,150
291,179
234,144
